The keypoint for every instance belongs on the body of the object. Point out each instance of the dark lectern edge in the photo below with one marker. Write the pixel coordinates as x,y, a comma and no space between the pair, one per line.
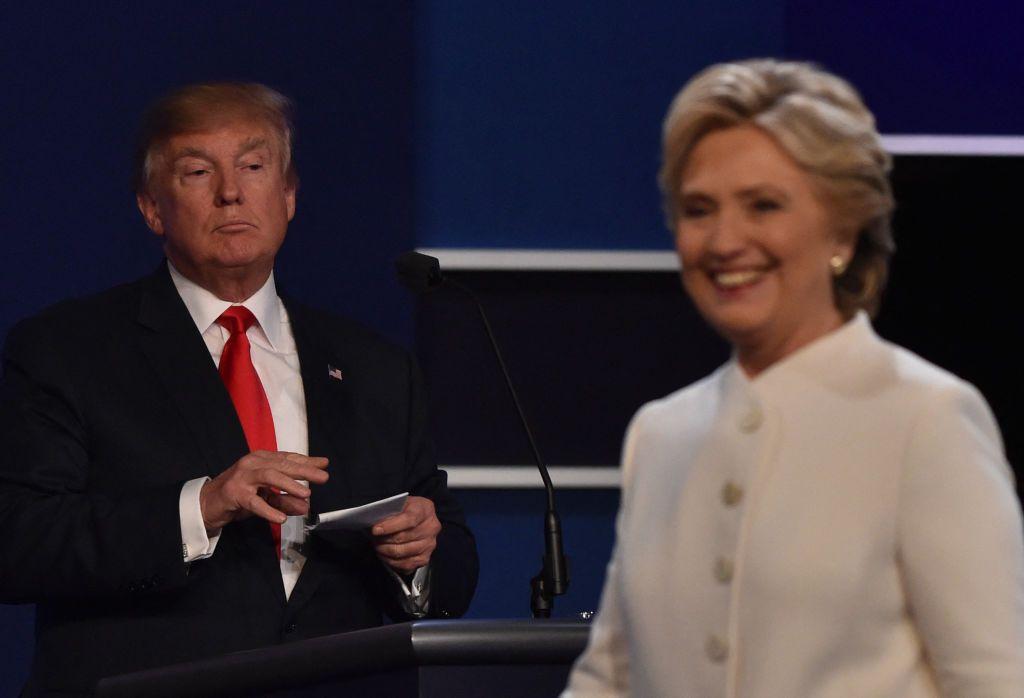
361,652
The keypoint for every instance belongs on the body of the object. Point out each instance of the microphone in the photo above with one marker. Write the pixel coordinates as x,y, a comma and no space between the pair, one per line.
422,273
419,272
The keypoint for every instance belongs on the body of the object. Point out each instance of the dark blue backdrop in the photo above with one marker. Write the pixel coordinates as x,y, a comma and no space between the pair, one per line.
444,124
539,125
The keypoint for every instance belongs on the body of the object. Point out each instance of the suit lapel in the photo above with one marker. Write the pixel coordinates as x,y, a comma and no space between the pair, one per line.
182,364
181,361
330,419
329,408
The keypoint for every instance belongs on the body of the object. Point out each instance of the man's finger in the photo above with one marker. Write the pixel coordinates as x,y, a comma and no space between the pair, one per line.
415,511
407,564
270,478
259,507
306,472
428,528
393,524
292,506
297,460
315,461
406,536
396,552
302,467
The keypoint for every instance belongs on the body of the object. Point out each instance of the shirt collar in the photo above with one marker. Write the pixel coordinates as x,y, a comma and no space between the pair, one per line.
205,308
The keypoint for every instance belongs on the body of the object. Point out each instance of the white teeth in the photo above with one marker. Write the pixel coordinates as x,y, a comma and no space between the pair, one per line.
732,279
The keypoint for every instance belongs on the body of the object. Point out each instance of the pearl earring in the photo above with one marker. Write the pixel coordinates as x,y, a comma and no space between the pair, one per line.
837,264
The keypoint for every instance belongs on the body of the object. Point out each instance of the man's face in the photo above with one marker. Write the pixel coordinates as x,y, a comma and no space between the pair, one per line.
221,203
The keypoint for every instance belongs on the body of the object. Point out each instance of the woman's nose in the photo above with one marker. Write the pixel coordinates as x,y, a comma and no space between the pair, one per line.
727,232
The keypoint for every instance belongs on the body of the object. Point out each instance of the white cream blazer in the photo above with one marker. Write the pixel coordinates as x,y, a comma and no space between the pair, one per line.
843,525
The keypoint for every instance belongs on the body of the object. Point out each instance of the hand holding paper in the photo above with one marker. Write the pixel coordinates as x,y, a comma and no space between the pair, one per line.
361,517
406,540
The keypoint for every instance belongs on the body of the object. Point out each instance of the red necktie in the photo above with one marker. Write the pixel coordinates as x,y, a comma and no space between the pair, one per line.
243,384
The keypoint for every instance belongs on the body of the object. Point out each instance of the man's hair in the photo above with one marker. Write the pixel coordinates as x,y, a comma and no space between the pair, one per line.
203,106
821,122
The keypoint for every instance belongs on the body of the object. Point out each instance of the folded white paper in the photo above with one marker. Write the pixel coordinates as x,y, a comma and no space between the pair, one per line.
359,518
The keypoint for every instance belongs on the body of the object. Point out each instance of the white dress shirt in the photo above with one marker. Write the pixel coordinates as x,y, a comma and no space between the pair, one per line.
276,360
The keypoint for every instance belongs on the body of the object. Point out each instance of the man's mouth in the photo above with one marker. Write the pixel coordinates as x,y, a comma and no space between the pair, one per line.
233,227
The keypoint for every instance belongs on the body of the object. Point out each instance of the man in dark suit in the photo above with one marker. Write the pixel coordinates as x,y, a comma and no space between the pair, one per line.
165,440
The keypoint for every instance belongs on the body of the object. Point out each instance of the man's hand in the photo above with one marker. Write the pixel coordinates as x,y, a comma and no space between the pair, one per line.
405,541
262,483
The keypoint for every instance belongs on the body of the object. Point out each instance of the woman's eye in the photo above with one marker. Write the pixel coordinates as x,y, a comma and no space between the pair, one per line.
764,205
694,211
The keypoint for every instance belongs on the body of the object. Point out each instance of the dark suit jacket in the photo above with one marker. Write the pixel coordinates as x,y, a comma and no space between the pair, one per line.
109,404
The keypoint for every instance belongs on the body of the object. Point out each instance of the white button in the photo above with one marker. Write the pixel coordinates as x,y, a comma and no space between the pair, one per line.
751,420
723,570
716,649
731,494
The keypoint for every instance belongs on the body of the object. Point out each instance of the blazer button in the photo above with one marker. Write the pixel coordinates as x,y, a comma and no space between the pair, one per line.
290,628
751,421
731,494
716,649
723,570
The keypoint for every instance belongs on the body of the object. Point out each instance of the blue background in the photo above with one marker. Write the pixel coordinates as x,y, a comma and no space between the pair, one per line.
436,124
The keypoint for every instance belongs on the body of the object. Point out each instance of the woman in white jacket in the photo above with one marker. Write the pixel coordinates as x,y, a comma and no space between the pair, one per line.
827,514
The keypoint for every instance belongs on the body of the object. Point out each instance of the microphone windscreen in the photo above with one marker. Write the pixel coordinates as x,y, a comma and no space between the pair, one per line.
419,272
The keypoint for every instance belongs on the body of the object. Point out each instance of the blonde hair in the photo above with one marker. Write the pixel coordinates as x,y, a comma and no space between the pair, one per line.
821,122
206,105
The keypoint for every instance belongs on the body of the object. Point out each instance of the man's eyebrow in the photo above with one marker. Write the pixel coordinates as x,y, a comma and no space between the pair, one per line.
190,152
251,144
247,146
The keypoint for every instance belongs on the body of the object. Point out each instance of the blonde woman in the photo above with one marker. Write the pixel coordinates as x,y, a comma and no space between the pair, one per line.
827,514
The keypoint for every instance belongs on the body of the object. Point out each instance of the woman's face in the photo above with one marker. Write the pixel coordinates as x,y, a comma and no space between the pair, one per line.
755,237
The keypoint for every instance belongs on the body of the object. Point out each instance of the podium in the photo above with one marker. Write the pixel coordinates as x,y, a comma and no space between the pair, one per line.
450,658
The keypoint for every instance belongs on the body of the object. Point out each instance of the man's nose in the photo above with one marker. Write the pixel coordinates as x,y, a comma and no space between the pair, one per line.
229,189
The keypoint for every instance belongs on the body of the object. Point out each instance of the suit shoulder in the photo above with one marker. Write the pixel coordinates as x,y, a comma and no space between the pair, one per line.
85,316
345,334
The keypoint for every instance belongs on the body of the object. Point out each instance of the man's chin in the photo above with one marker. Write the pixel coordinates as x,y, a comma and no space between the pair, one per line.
237,260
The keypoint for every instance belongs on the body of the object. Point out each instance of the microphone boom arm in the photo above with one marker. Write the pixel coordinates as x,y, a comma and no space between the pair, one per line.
553,579
420,273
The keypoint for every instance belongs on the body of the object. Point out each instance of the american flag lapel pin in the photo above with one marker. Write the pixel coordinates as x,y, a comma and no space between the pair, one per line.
334,373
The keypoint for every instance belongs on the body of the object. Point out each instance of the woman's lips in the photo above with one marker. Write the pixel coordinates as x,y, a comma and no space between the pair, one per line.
737,279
